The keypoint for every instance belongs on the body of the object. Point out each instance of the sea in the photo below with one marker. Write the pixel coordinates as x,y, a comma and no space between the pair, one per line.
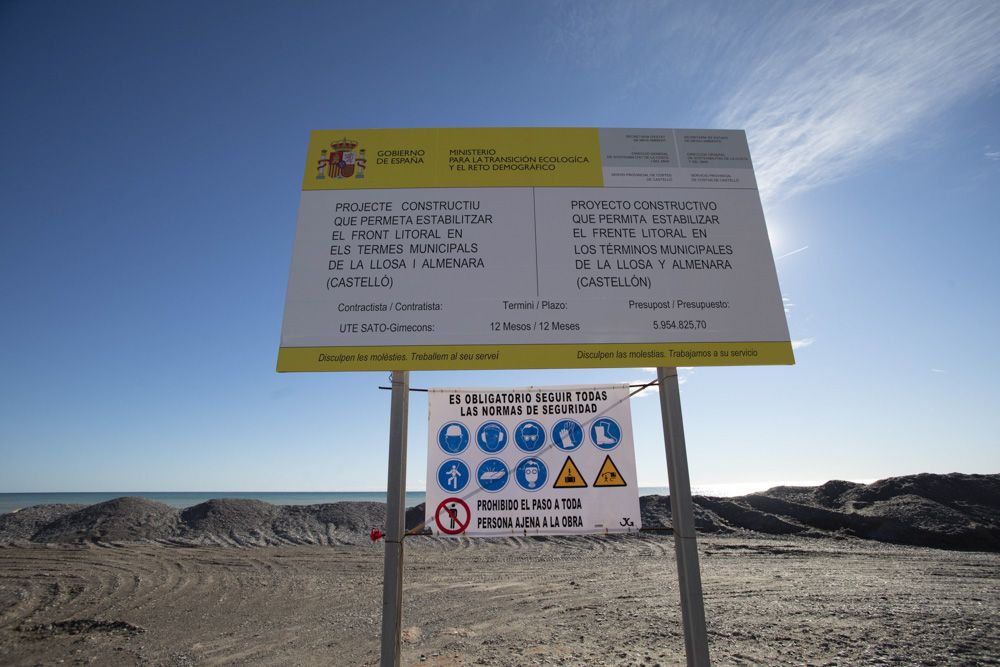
11,502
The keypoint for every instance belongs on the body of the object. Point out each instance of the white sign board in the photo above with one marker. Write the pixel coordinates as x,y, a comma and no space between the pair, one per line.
429,249
531,461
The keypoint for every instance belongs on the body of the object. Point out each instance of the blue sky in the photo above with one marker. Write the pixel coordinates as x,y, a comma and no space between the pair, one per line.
149,180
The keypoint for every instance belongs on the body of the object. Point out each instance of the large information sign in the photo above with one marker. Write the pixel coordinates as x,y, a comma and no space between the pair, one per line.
531,461
425,249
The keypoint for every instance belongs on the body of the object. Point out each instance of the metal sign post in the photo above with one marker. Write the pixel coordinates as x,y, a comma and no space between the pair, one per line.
682,517
392,578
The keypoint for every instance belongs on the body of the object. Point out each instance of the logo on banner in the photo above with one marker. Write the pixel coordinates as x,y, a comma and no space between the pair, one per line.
609,475
569,477
342,160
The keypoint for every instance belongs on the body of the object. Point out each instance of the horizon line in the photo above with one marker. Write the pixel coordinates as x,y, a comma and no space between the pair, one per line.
867,480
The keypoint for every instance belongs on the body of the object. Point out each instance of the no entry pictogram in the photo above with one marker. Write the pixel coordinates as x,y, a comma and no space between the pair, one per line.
449,516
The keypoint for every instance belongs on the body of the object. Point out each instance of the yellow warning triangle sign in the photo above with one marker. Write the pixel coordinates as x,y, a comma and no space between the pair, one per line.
609,475
569,477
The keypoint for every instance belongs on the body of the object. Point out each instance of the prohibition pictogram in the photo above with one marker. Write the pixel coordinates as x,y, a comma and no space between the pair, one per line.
449,516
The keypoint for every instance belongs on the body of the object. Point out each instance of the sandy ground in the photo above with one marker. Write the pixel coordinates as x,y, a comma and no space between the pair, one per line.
512,602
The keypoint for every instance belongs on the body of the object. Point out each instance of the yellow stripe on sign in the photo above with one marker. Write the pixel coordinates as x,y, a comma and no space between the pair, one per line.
497,357
453,158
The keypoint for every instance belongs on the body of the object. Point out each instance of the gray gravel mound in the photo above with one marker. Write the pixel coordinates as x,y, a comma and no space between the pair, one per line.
655,513
349,516
329,523
415,517
952,511
229,521
127,519
224,522
255,523
23,524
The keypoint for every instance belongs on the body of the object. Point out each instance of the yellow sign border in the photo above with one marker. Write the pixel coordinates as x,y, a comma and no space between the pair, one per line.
507,357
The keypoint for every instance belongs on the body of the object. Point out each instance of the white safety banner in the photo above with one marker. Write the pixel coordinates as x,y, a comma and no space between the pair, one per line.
531,461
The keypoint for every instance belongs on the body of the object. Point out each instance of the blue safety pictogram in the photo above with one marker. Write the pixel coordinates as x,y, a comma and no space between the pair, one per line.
529,436
531,474
491,437
453,475
453,438
492,475
605,433
567,435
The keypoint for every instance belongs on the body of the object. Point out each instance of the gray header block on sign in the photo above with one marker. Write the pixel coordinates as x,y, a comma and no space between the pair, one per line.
637,147
725,149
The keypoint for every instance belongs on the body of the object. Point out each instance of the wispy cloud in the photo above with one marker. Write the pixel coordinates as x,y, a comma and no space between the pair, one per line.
937,370
802,342
839,81
789,254
820,87
577,23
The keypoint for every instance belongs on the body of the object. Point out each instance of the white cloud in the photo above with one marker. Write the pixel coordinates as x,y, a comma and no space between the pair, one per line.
837,83
802,342
992,155
684,373
937,370
651,390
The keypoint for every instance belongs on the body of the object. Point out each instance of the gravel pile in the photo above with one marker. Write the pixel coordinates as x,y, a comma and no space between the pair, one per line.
221,522
228,521
24,524
953,511
125,519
